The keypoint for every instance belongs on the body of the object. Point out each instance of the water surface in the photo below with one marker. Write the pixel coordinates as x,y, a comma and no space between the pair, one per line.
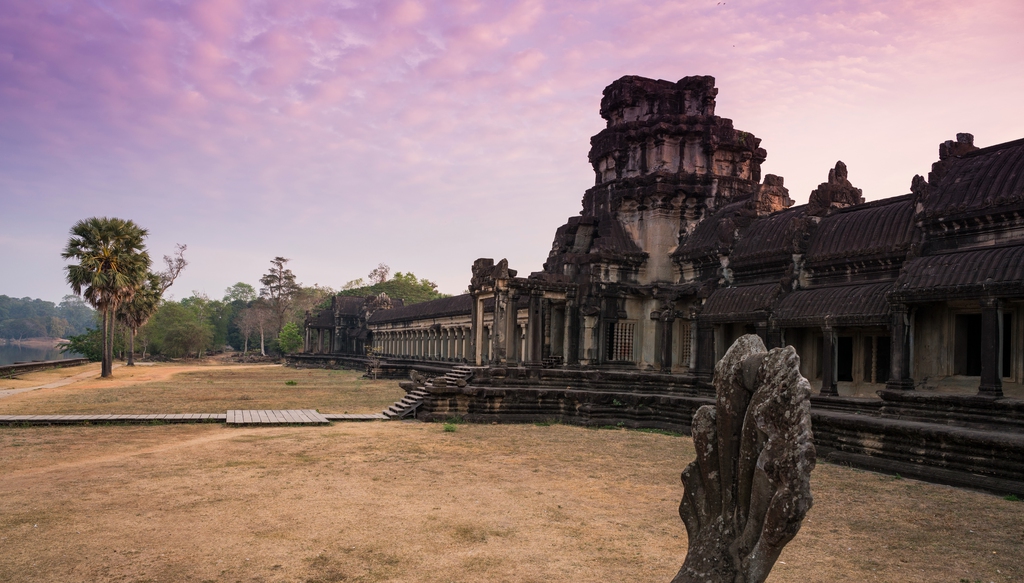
11,353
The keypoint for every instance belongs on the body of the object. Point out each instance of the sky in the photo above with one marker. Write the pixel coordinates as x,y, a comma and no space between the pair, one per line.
426,134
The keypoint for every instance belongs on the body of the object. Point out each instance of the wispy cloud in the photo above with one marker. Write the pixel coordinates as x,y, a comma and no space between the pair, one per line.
426,133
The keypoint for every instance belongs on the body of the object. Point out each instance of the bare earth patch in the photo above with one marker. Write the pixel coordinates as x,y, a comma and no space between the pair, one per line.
202,388
412,502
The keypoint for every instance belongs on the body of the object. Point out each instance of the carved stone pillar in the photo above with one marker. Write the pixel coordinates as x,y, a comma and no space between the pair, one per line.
899,350
991,348
705,349
829,388
572,333
667,321
535,330
499,331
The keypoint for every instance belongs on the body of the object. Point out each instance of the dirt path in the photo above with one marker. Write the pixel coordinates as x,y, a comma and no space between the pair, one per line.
55,384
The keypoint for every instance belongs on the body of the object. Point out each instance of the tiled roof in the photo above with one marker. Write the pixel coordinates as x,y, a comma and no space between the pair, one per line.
840,305
881,228
453,306
973,273
750,302
768,237
979,181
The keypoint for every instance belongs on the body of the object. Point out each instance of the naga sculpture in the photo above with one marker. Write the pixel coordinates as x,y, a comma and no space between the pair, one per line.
749,488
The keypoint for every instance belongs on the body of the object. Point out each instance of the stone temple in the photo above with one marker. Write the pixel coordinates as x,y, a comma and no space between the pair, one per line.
907,312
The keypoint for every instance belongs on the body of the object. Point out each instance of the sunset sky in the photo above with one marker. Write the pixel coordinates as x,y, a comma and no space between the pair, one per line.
427,134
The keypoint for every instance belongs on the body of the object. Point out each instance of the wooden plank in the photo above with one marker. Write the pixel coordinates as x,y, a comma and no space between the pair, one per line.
264,416
291,416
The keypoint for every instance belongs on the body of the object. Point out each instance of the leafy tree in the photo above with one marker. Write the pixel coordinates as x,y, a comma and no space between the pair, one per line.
112,263
79,316
379,274
290,339
89,344
404,286
256,318
240,292
134,313
179,329
279,289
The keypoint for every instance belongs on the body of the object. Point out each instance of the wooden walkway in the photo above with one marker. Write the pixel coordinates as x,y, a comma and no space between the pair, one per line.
234,417
271,417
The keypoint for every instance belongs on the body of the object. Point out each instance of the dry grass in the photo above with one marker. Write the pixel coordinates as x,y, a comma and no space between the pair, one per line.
411,502
204,388
414,502
34,379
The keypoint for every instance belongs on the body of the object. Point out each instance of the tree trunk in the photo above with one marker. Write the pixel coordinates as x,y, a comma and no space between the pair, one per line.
263,351
245,347
131,347
103,351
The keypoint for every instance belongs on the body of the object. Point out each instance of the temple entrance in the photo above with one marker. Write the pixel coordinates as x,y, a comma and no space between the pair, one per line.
967,345
844,359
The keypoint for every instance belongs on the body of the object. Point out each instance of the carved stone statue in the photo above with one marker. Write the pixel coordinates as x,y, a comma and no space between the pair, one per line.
837,193
746,494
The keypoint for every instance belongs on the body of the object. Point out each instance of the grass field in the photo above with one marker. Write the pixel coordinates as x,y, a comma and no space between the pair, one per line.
409,501
201,388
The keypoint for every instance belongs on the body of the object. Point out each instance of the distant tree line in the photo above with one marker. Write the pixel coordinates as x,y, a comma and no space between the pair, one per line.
31,318
268,320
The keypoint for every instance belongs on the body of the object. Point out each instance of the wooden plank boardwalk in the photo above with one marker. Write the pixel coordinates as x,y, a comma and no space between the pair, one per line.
275,417
234,417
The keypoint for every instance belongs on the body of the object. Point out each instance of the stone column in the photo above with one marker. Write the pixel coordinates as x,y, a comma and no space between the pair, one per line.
571,342
828,362
476,336
667,326
499,329
899,350
305,342
535,330
705,349
991,348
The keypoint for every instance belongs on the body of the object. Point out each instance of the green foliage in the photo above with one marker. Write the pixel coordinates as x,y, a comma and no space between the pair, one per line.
1011,498
449,427
291,383
88,344
290,338
109,262
404,286
241,291
31,318
181,329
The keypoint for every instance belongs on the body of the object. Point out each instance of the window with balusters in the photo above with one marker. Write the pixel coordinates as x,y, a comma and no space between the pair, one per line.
620,341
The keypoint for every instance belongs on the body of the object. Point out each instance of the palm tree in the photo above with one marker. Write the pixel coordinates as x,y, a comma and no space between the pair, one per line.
135,313
112,265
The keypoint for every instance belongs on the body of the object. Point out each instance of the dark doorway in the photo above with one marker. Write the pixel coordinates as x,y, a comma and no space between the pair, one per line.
844,359
967,347
882,346
1007,336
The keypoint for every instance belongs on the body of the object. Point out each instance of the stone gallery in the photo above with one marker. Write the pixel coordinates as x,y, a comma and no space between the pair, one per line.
904,308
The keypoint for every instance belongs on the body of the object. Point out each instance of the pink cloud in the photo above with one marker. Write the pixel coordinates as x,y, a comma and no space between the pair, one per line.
334,113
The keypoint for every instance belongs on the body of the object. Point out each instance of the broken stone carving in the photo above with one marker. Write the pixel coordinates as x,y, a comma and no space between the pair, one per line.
747,492
837,193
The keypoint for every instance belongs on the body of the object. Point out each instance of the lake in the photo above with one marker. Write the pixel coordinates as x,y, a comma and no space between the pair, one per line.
11,353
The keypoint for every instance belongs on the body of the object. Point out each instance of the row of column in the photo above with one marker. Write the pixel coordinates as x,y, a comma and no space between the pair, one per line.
449,343
319,341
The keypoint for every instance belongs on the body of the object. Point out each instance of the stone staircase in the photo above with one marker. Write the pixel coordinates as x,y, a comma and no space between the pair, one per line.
407,406
457,377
